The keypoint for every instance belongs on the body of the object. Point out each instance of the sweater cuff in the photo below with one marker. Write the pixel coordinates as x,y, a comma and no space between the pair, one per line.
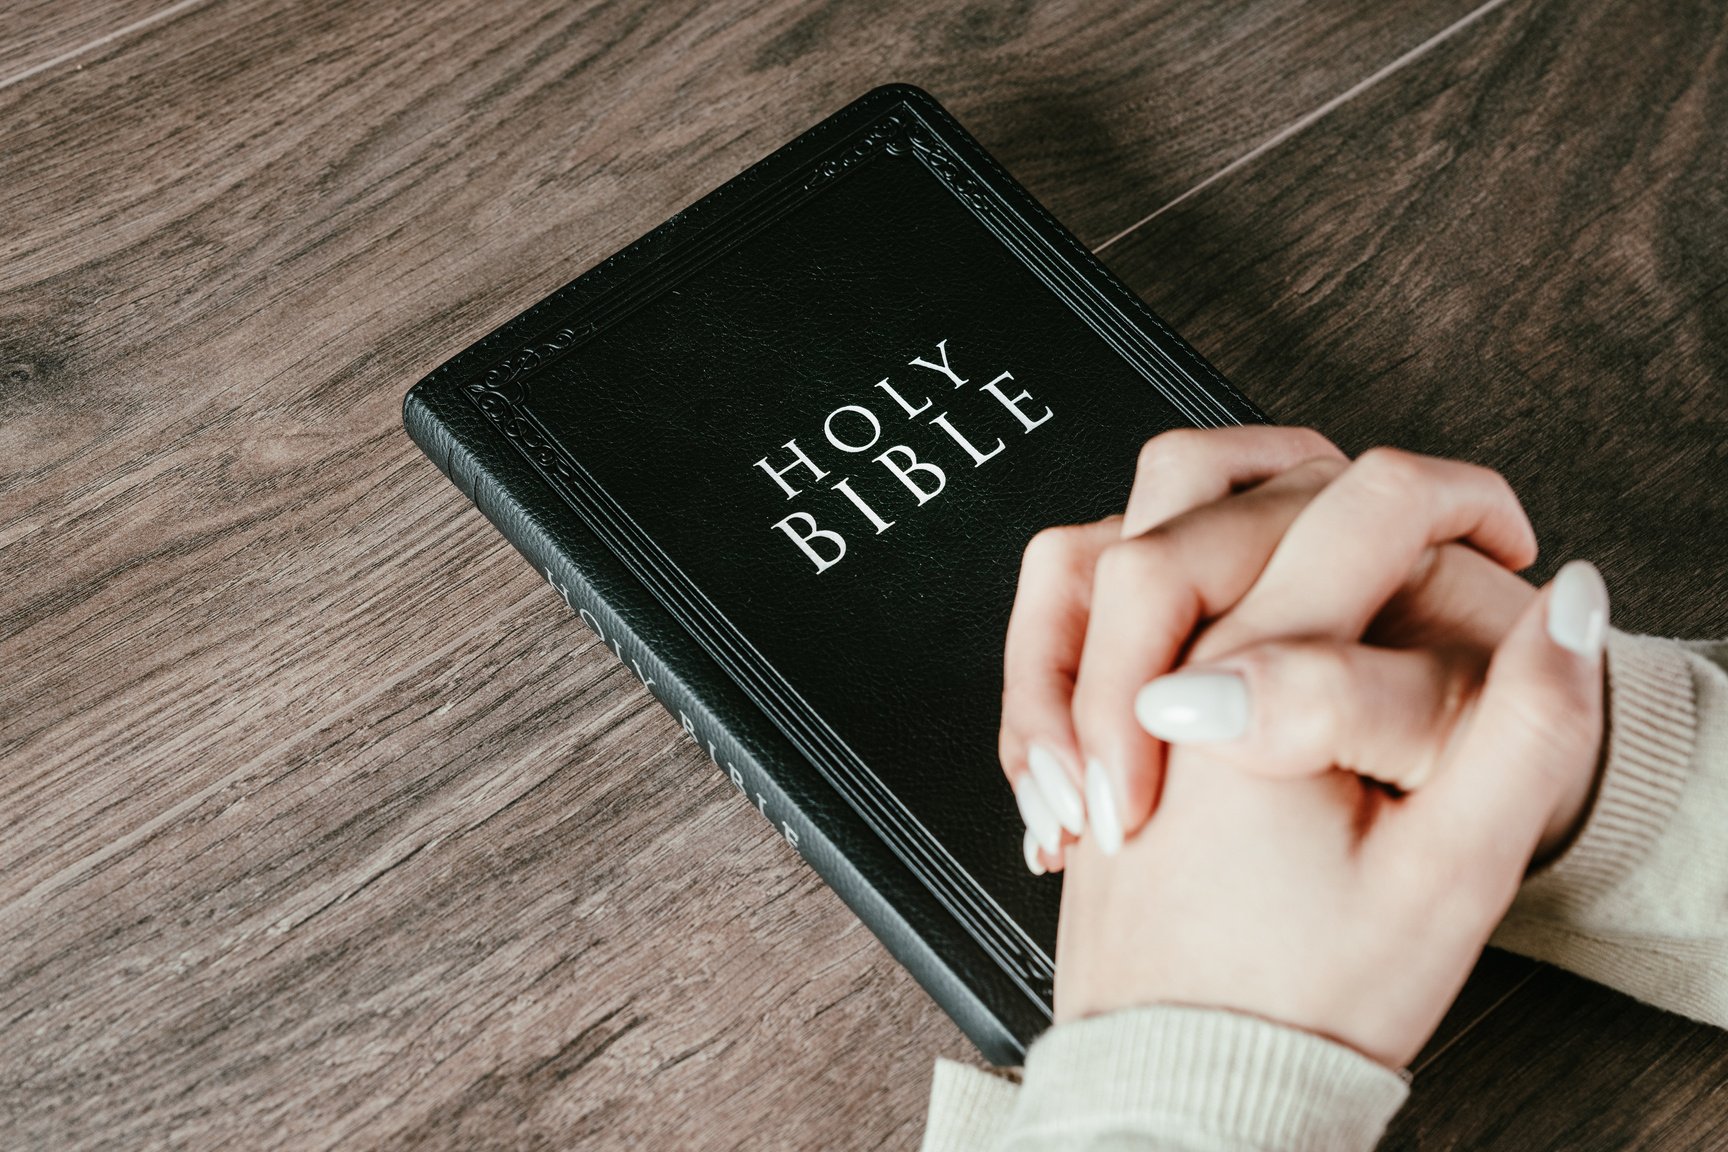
1209,1075
968,1109
1652,724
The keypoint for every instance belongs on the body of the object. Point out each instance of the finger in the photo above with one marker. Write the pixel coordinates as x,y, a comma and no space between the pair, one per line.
1046,629
1530,747
1302,708
1149,593
1177,471
1363,537
1457,597
1182,469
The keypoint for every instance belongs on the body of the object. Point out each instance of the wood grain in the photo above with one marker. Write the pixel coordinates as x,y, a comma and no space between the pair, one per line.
324,825
1567,1065
37,33
1516,252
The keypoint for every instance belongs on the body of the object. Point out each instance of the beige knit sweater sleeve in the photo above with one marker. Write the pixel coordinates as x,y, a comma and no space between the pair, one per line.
1639,901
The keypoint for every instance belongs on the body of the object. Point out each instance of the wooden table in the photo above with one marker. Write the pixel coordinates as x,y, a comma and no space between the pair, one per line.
325,826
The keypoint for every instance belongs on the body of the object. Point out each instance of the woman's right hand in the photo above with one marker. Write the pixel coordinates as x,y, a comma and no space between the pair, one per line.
1272,885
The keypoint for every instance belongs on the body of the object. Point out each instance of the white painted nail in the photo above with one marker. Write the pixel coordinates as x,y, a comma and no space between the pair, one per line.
1040,821
1578,609
1029,845
1194,707
1059,791
1101,806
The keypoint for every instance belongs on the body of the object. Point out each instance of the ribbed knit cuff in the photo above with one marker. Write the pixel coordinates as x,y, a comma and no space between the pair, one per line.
1652,725
1201,1077
969,1109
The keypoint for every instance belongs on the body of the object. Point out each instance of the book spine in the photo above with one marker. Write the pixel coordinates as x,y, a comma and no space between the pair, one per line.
816,822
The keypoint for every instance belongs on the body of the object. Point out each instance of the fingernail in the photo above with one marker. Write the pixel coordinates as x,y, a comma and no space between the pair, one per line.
1194,707
1029,845
1578,609
1059,791
1101,805
1040,821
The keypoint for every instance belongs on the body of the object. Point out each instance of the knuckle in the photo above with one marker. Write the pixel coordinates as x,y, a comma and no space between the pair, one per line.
1140,571
1490,480
1261,665
1054,555
1298,687
1172,451
1277,664
1128,562
1390,472
1313,441
1498,481
1507,494
1048,546
1317,471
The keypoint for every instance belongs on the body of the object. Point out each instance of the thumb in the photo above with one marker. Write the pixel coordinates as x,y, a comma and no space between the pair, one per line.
1526,763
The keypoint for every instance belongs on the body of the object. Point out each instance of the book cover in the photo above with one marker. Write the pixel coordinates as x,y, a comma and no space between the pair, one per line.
783,454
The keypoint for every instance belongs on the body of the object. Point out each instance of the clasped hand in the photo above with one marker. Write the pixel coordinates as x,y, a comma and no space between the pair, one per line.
1296,731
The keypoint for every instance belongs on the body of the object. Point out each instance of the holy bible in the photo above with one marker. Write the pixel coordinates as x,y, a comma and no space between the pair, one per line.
783,454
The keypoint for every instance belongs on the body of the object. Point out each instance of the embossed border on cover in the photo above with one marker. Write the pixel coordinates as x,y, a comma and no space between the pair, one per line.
501,391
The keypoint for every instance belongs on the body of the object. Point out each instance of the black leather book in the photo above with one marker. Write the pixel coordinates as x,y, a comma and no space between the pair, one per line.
783,454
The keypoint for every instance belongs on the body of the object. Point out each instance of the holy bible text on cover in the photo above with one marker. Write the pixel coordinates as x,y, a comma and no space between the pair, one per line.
783,454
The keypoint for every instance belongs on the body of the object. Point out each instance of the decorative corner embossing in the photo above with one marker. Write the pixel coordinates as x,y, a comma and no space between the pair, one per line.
942,162
887,135
508,376
896,133
891,134
499,395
